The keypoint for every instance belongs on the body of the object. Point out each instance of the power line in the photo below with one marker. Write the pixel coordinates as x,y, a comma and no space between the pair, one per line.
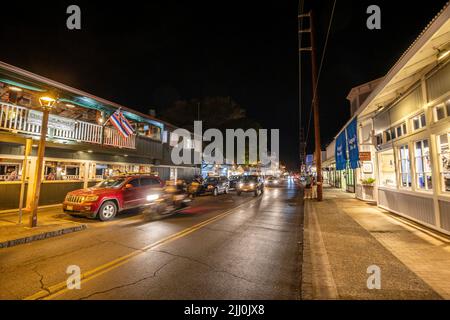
319,72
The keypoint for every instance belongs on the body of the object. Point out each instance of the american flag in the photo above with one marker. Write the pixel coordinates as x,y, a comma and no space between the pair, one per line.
121,123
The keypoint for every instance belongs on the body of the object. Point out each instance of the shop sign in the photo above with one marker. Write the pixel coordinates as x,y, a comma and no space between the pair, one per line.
352,141
365,156
54,122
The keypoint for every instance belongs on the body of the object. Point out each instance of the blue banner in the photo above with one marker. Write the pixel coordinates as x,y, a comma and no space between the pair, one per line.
352,141
340,152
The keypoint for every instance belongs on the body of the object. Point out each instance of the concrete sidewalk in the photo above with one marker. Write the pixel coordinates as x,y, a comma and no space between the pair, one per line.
344,236
51,223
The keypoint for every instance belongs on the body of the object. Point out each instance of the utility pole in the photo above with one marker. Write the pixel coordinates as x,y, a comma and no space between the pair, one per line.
315,100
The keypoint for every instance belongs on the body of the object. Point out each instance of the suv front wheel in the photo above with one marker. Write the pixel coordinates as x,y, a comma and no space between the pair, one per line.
108,211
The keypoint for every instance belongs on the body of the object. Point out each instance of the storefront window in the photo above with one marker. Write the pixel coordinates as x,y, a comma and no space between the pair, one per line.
387,169
10,170
423,165
444,156
404,166
103,171
62,171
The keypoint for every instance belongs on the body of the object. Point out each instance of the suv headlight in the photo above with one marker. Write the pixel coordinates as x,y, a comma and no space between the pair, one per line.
90,198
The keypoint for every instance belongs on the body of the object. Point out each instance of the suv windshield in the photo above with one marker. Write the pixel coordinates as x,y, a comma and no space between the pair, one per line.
249,179
110,183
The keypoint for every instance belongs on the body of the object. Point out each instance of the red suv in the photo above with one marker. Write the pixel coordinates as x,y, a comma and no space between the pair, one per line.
107,198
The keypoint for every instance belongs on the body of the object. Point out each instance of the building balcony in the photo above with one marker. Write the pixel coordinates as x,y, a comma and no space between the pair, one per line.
18,119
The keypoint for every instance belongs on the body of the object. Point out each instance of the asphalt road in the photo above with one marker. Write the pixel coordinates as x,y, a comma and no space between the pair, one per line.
227,247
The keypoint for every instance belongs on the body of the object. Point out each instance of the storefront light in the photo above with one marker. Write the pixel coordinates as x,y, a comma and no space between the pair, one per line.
16,89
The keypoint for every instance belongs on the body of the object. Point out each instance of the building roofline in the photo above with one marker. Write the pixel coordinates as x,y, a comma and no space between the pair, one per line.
438,21
64,87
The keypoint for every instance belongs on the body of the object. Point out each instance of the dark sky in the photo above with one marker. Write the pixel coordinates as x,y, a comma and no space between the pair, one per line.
144,53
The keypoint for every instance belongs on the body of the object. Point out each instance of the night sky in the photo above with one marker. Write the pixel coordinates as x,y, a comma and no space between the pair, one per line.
145,54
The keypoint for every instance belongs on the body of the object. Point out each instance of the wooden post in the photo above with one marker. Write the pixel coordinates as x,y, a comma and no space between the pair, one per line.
28,146
39,169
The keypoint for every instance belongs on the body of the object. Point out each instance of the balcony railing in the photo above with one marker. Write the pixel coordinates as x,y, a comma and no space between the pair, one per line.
16,119
113,138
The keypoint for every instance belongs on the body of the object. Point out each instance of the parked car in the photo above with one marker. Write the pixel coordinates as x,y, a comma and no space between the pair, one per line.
216,185
272,181
252,184
234,180
111,196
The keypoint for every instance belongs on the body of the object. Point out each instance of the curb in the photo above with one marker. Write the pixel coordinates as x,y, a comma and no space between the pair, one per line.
41,236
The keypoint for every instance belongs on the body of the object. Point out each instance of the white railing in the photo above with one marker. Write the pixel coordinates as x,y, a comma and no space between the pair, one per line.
84,131
113,138
14,118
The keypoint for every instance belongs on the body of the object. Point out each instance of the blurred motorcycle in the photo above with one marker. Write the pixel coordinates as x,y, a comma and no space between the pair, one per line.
167,202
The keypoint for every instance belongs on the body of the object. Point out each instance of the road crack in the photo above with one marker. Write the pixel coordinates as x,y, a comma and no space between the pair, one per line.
41,280
213,268
155,273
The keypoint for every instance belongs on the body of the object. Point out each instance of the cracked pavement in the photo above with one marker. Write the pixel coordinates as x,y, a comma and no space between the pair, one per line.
254,252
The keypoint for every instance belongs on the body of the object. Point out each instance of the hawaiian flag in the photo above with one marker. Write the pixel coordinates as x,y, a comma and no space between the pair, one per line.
121,123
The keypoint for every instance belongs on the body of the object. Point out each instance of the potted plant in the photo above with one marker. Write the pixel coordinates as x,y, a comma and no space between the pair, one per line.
368,182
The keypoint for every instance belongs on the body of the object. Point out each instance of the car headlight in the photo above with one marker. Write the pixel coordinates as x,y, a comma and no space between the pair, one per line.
152,197
241,185
252,185
90,198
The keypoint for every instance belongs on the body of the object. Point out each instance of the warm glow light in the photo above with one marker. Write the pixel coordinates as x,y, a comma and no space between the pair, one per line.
100,120
70,105
15,89
47,101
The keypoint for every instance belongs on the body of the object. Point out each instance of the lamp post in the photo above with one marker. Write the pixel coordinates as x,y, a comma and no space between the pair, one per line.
46,104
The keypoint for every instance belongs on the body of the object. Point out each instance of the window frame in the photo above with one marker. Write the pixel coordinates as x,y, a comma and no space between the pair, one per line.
381,172
439,154
421,116
423,172
407,160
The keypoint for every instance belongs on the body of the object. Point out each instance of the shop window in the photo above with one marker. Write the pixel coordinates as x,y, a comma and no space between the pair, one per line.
10,170
404,166
423,165
62,171
387,169
419,122
444,159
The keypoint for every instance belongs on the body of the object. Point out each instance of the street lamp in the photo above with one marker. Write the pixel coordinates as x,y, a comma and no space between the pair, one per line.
46,103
